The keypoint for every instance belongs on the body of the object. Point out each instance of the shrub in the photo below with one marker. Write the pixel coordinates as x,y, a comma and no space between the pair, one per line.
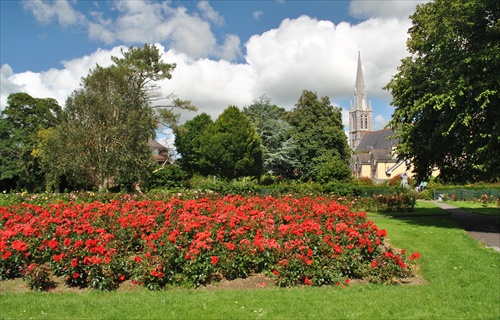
38,277
403,200
307,240
169,177
365,181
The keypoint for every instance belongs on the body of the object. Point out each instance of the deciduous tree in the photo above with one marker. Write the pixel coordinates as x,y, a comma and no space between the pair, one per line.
109,121
446,93
20,122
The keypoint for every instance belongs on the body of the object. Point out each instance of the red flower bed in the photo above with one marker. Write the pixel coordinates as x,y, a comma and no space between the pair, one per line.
312,241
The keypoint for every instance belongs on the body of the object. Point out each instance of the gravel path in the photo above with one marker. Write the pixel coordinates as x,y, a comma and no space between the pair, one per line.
484,228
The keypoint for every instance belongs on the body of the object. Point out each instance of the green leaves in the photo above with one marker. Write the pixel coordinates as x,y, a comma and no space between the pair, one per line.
228,147
317,128
20,123
108,123
446,92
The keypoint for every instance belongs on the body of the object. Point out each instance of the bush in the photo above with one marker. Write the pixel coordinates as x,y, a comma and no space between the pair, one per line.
298,241
365,181
169,177
402,201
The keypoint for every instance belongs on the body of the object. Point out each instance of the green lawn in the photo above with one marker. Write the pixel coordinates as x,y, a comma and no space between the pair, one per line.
462,276
476,207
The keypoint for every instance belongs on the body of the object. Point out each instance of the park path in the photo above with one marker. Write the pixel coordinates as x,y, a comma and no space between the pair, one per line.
484,228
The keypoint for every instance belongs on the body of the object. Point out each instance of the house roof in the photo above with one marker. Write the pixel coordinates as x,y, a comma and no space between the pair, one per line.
361,157
377,140
383,155
153,144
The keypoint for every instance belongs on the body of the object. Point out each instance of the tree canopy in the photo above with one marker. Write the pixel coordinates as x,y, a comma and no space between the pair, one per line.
229,147
108,122
446,93
322,143
20,123
278,146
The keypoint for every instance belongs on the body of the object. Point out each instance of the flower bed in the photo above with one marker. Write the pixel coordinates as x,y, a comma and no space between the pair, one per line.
311,241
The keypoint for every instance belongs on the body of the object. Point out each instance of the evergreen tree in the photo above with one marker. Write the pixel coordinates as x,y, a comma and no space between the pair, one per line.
318,131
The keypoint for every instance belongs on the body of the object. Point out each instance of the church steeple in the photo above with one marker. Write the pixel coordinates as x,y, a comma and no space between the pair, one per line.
360,116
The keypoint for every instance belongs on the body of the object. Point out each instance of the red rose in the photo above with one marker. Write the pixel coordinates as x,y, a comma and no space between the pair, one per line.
215,259
308,282
6,255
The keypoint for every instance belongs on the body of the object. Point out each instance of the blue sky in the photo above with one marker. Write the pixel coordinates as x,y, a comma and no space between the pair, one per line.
227,52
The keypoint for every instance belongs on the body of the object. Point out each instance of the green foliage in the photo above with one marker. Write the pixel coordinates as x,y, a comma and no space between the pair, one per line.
108,121
38,277
446,92
20,123
192,142
318,131
228,148
403,200
278,147
169,177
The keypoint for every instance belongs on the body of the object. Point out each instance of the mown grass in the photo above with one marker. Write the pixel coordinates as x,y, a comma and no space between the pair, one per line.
462,276
421,209
476,207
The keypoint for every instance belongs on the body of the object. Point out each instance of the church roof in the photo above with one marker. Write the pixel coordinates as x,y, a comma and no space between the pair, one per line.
377,140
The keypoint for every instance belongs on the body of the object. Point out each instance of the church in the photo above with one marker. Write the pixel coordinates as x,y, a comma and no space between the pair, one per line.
373,151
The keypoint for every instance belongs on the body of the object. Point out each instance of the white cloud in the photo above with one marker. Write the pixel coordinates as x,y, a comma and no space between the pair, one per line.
60,10
210,14
54,83
383,8
305,53
139,22
379,121
7,86
301,54
257,15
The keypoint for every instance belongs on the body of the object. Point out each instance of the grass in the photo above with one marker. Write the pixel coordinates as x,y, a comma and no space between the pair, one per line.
422,208
476,207
462,276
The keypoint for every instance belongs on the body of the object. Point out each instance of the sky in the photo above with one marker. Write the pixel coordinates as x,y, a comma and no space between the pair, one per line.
226,52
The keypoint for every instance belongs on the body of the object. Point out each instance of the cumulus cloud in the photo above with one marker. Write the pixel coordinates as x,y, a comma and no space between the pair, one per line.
305,53
54,83
137,22
210,14
301,54
379,121
7,86
59,10
383,8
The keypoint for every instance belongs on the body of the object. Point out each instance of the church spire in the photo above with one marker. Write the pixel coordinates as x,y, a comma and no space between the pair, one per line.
360,116
360,101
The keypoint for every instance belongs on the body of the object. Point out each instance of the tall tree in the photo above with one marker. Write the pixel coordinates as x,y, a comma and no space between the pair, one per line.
109,120
228,147
446,93
20,123
235,146
278,146
318,130
191,141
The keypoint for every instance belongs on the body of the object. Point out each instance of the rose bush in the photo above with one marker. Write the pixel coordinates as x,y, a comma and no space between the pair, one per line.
311,241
